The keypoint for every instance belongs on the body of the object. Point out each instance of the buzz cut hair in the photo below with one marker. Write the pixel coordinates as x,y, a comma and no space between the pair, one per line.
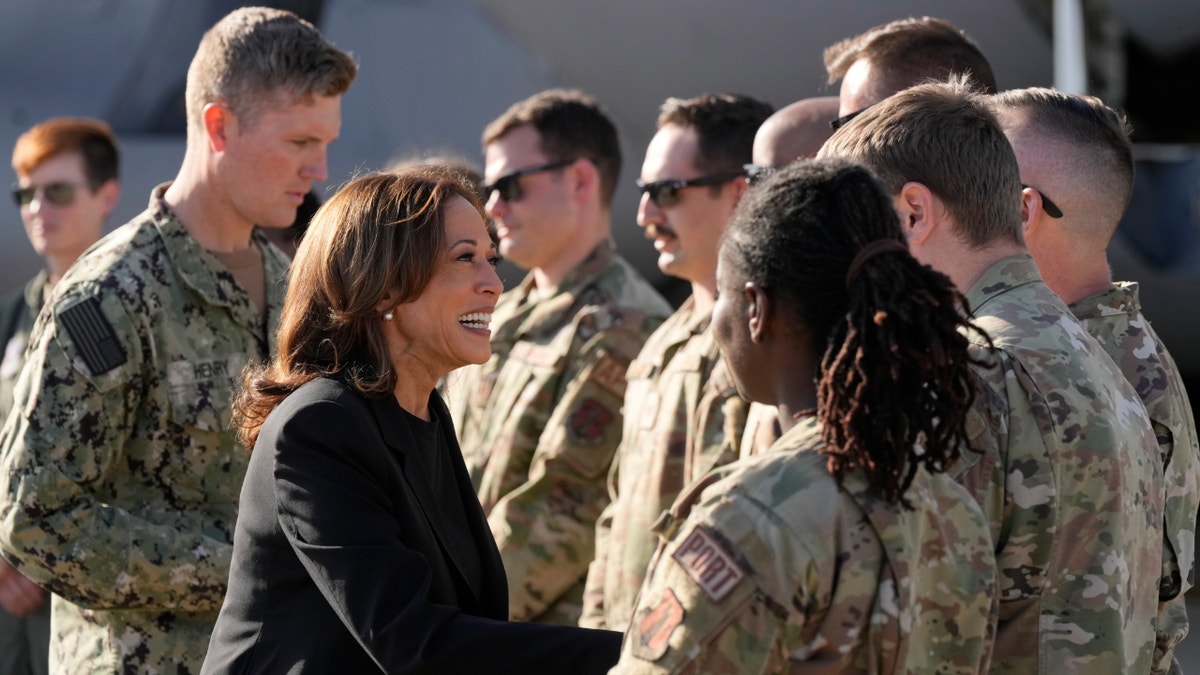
256,57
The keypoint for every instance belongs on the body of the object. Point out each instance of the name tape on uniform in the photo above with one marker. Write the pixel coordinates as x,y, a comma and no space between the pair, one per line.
707,563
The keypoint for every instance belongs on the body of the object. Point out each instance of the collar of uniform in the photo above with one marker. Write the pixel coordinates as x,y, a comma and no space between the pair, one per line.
1121,299
523,314
1001,277
199,269
37,292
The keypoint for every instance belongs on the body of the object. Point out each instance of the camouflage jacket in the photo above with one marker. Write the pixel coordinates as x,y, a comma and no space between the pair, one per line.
16,322
685,418
779,569
1070,480
1114,318
120,468
540,421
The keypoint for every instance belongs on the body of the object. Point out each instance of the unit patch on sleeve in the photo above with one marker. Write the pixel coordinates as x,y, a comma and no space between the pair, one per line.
708,564
93,336
589,421
653,626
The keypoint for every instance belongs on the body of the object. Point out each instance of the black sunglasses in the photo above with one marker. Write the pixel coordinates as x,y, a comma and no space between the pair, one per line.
665,193
1048,206
509,185
757,172
840,122
58,194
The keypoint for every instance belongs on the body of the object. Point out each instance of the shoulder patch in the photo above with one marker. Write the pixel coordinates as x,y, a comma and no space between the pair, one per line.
589,421
610,374
652,627
708,564
93,336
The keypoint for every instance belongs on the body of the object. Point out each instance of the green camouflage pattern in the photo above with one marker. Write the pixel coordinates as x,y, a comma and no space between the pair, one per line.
685,418
121,485
540,421
1070,479
1114,317
34,296
777,569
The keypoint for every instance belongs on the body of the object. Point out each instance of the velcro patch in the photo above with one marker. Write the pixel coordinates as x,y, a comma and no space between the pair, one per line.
589,421
708,564
610,374
93,336
653,627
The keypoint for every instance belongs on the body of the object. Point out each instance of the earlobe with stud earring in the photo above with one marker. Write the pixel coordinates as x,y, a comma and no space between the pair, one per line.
389,315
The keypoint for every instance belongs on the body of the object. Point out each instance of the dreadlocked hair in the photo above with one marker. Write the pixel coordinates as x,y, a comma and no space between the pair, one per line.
894,380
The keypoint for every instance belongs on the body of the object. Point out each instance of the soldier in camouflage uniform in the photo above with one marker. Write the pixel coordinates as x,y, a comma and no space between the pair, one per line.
120,470
1077,149
891,57
685,416
67,185
1068,474
844,548
540,421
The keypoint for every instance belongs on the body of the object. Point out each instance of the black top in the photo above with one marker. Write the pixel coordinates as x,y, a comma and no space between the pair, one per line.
439,461
345,561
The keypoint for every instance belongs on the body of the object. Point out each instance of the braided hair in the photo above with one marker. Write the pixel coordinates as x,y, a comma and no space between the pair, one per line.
894,380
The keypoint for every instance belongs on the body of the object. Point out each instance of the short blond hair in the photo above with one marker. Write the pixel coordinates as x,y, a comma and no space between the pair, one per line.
256,54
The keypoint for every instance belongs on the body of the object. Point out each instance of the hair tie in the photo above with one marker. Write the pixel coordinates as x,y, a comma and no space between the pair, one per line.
869,251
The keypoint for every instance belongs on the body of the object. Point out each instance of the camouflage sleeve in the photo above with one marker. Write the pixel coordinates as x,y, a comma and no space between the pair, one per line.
545,528
703,608
62,445
593,615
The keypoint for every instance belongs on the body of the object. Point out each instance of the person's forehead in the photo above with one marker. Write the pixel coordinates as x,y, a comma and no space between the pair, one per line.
857,90
672,153
518,149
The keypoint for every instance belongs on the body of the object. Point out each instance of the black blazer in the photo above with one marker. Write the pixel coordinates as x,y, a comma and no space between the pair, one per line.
338,566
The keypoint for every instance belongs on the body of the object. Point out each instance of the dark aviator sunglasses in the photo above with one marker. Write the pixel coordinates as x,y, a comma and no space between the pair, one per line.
58,194
665,193
509,185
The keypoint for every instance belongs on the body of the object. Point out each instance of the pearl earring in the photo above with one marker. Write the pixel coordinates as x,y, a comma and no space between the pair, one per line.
388,315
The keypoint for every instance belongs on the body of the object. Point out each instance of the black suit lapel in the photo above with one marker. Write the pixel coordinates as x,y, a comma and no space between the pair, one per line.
399,438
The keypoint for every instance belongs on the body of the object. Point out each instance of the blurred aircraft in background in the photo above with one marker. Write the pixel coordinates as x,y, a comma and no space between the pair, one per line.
434,73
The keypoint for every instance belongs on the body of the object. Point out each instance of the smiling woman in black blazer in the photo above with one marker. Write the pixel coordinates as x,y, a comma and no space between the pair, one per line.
360,546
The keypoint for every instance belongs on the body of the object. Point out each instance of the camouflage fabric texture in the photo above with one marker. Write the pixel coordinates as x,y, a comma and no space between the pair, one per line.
121,471
777,569
762,430
1070,479
539,423
1114,317
684,418
32,297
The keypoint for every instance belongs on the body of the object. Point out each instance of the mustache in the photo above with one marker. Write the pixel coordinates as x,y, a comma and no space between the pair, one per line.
655,231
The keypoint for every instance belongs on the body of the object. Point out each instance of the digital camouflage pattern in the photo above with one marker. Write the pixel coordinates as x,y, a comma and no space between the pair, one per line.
1070,480
1114,317
19,318
777,569
540,421
121,471
684,418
